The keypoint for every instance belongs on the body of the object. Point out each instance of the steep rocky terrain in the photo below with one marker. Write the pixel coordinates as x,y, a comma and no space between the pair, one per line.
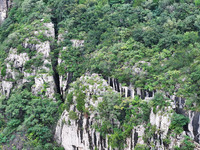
99,75
4,6
79,132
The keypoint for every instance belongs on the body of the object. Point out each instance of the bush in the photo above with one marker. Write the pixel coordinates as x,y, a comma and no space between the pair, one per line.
3,138
3,71
187,144
116,140
73,115
197,2
141,147
80,101
70,98
41,133
177,122
166,141
158,100
63,107
37,115
13,123
149,132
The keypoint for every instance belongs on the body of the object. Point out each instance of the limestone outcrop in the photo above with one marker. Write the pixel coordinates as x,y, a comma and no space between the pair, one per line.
4,6
79,132
22,69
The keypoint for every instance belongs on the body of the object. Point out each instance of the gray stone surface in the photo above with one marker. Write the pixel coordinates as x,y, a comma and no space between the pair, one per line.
4,6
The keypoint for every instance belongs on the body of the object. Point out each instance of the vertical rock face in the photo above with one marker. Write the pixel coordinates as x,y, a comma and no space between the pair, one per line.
20,68
4,6
14,67
192,129
80,133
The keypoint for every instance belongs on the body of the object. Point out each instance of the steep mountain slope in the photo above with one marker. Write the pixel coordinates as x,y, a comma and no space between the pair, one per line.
99,74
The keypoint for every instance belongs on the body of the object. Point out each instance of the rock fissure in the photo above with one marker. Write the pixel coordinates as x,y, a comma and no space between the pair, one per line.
54,60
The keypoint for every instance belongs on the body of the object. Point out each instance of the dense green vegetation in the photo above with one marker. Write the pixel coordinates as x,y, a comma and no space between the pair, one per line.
29,114
150,44
161,38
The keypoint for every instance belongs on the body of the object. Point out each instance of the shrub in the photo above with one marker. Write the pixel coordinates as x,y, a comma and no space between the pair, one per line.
3,71
63,107
73,115
141,147
197,2
80,101
13,123
70,98
41,133
116,140
3,138
166,141
177,123
158,100
149,132
187,144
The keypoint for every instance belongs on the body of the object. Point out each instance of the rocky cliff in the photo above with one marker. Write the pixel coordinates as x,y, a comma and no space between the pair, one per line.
20,68
98,76
79,128
4,6
79,132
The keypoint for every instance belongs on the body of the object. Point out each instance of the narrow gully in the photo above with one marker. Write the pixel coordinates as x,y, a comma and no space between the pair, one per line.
54,59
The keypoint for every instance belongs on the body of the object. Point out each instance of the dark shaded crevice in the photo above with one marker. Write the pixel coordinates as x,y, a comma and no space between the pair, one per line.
185,128
117,85
90,141
7,4
135,138
150,93
129,93
195,125
80,127
101,142
89,136
69,80
7,7
56,78
132,140
160,138
55,22
54,59
95,139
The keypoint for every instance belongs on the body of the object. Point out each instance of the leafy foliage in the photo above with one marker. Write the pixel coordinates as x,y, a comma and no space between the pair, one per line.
80,101
158,102
150,44
115,110
73,115
178,121
36,115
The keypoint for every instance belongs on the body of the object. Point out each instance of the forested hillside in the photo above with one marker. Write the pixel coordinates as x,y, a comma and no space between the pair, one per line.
99,74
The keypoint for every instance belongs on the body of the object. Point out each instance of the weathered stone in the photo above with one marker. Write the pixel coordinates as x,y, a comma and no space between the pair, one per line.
4,6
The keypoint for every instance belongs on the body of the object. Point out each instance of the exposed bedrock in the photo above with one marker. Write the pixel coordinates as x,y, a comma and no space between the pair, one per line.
71,136
20,68
4,6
